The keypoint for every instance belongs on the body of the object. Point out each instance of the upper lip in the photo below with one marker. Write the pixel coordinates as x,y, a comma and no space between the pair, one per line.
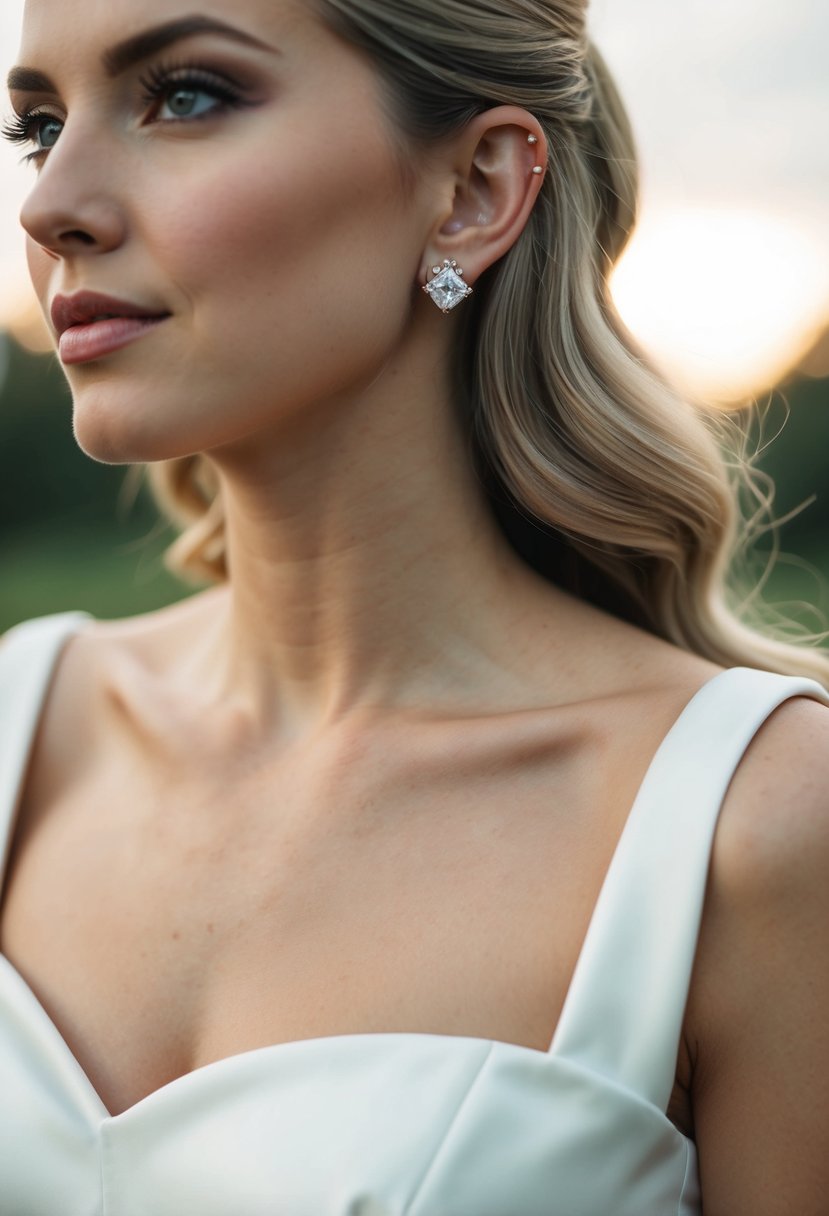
85,306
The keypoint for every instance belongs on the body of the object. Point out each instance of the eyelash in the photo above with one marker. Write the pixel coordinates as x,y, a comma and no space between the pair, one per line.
162,79
21,129
158,83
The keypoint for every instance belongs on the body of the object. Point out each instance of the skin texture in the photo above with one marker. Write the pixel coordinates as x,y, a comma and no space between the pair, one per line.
380,663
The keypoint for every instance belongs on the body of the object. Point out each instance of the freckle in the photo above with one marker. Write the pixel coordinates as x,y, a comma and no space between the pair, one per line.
210,927
176,935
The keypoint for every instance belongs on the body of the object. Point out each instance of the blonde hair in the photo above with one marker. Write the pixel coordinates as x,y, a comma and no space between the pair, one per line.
602,476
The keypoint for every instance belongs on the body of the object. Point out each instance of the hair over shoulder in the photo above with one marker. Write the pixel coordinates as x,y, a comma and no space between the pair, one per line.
603,477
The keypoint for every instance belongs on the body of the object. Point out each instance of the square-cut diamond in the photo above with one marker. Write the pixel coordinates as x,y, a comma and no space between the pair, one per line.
448,289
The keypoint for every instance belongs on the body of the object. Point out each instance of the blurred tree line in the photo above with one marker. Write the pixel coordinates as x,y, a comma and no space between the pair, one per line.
73,533
76,534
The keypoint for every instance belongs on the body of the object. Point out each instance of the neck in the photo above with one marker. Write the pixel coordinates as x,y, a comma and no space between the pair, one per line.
366,569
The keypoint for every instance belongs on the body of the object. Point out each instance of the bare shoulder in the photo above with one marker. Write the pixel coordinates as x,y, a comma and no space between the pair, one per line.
106,652
100,665
760,994
603,656
153,633
774,826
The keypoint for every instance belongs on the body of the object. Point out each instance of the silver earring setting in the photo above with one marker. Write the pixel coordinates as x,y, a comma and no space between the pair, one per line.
447,288
537,169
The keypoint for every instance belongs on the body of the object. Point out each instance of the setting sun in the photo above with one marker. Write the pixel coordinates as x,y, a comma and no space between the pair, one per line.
725,299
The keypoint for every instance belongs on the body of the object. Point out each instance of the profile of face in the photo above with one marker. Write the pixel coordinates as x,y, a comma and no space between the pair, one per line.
232,174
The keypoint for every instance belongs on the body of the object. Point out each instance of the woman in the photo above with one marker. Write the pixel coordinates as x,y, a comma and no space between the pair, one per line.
315,900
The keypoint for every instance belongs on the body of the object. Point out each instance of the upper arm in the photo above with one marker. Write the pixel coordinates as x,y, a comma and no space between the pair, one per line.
759,1007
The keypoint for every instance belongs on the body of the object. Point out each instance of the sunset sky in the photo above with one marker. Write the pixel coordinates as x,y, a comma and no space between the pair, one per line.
728,277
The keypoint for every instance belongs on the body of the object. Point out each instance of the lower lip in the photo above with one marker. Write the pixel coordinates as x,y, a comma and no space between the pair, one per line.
83,343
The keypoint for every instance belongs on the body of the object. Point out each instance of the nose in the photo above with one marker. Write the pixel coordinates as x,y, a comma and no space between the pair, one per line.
72,210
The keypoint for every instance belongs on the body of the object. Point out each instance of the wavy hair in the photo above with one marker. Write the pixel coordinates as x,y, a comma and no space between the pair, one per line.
603,477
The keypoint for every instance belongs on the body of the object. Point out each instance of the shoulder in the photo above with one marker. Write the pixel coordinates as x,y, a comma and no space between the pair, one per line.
79,638
30,651
757,1013
771,850
771,847
77,672
39,628
774,825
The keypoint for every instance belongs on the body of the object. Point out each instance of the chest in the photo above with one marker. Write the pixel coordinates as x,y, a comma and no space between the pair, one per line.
164,928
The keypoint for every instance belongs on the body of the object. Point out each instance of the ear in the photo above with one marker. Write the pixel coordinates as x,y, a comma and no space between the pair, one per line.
498,164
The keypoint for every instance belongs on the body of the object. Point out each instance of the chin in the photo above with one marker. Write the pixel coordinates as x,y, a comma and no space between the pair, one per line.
111,434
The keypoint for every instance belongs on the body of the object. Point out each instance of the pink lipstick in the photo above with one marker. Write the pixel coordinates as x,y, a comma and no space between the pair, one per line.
90,326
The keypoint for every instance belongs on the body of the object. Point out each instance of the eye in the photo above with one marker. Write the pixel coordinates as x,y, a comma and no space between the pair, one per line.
187,93
185,102
34,127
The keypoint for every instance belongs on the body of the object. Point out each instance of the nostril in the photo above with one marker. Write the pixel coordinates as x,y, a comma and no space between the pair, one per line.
77,236
67,225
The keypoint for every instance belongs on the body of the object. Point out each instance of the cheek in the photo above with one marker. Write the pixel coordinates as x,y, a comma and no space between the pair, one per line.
302,279
298,227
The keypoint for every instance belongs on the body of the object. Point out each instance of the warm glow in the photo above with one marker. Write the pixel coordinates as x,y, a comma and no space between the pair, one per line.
725,300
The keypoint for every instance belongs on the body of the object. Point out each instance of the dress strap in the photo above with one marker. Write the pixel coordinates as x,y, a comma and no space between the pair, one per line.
625,1007
28,654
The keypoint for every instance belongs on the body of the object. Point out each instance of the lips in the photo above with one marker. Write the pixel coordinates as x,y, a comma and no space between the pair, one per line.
90,326
88,306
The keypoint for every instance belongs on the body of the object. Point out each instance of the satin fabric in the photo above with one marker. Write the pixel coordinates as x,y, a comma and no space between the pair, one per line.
403,1124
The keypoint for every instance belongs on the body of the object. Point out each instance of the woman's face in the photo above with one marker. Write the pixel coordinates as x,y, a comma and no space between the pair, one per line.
230,173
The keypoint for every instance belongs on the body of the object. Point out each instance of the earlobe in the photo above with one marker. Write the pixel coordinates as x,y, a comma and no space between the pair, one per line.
499,167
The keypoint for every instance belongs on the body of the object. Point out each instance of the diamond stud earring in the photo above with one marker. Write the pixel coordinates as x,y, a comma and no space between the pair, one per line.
447,288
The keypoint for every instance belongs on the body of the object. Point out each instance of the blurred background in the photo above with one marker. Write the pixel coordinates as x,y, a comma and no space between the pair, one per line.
726,282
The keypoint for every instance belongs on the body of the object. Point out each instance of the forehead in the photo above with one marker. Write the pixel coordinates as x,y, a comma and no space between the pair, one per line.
73,32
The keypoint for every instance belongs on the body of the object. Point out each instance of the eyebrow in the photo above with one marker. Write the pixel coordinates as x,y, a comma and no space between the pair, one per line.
126,54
